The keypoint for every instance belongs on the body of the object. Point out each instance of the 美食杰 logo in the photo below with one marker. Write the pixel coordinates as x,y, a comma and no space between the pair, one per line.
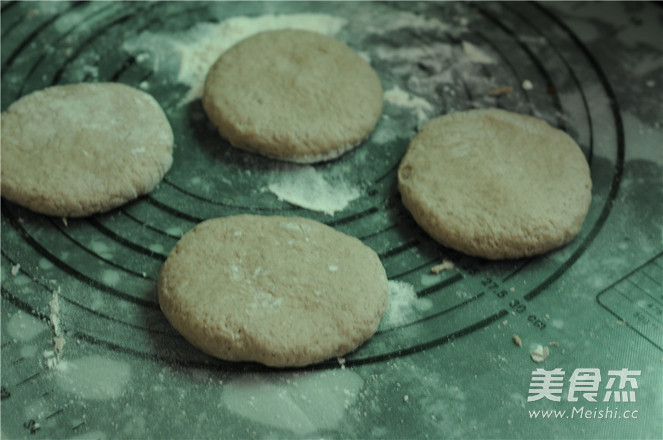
586,386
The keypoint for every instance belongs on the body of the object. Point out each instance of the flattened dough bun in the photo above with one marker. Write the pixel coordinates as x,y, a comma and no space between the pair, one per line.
293,95
282,291
495,184
76,150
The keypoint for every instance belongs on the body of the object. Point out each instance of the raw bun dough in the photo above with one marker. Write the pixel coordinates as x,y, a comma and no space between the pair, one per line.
495,184
76,150
293,95
282,291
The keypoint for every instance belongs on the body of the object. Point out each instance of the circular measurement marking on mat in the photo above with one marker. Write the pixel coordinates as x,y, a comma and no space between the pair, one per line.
432,59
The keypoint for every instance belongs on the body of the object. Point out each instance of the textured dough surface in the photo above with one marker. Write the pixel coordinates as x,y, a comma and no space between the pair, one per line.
495,184
79,149
282,291
293,95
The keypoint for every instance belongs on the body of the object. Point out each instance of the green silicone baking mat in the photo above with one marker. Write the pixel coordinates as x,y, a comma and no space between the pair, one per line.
564,345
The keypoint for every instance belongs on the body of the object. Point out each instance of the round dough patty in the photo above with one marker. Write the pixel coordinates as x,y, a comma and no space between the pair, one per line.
80,149
495,184
293,95
282,291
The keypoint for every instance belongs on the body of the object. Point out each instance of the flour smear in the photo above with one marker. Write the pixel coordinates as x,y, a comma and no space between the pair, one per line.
307,188
93,377
400,98
404,305
303,403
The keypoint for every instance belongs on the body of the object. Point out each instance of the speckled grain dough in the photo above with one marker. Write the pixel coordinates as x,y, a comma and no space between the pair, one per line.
282,291
495,184
293,95
76,150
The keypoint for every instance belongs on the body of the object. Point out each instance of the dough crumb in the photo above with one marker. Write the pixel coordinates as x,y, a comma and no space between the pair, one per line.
446,264
527,85
539,354
499,91
15,268
58,344
517,340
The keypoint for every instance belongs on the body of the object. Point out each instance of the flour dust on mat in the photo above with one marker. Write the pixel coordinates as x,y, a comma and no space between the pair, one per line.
299,402
53,357
23,327
307,188
401,98
476,55
404,305
93,377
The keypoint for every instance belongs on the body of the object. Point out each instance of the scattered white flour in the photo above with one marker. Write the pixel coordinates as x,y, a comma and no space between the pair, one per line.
101,249
93,377
428,279
527,85
54,309
53,357
110,277
438,59
23,327
405,19
429,70
303,186
199,47
404,305
65,22
175,231
303,403
401,98
475,54
557,323
44,264
157,248
432,54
